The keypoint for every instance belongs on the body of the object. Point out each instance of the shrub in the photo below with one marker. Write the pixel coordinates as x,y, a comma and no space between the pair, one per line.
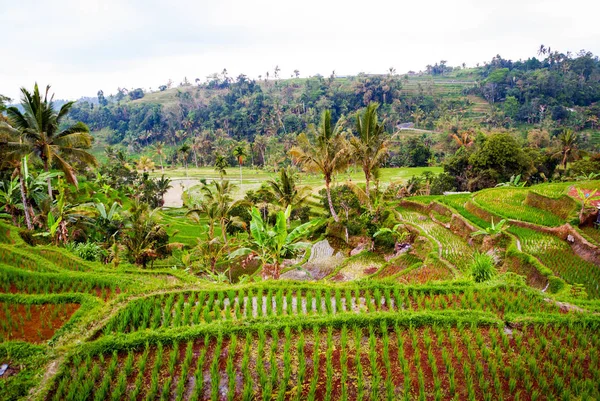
482,267
89,251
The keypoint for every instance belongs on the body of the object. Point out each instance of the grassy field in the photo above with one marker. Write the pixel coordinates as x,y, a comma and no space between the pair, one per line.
252,179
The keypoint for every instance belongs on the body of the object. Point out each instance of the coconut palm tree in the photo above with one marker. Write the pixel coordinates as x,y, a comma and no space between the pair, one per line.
568,147
370,147
184,152
145,163
286,192
240,154
220,165
464,140
217,207
40,128
327,155
159,150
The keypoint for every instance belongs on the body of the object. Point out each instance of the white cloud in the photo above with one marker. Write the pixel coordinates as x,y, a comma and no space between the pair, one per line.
80,47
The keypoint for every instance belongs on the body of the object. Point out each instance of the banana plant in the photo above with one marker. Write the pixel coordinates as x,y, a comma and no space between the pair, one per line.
493,229
515,181
273,244
9,199
586,198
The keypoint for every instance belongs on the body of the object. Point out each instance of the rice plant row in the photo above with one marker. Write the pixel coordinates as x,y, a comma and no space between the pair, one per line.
33,323
454,248
510,203
21,281
12,257
558,256
378,362
193,308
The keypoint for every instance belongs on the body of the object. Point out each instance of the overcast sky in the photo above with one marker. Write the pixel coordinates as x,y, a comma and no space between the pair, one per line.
81,46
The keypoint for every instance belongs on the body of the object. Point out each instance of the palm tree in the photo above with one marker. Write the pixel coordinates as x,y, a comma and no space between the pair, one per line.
40,128
220,165
464,140
328,155
370,148
159,150
217,207
184,152
286,192
240,154
163,184
568,149
145,163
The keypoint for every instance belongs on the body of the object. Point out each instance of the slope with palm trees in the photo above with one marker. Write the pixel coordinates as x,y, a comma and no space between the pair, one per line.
42,136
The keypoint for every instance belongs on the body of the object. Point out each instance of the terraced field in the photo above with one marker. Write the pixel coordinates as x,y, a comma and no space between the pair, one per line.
409,326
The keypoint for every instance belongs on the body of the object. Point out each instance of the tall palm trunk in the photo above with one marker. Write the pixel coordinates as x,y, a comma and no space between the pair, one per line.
367,187
46,169
241,182
161,165
24,200
565,157
331,209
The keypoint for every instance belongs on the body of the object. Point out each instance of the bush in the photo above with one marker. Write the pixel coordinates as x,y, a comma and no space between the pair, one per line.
89,251
482,267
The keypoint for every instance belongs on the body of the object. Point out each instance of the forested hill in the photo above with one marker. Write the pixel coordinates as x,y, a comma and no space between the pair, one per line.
561,88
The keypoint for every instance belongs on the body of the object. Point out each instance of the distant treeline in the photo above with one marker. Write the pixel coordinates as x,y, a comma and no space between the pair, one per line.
560,87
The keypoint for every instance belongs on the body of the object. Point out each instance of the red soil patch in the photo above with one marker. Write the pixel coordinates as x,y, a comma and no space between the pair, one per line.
33,323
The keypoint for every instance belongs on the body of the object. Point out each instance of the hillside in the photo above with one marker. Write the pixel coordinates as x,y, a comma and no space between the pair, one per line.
375,325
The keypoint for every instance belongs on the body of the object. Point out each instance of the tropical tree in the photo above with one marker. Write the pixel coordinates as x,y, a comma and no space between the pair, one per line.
144,237
240,154
184,153
328,154
272,244
159,149
464,140
163,184
217,207
568,147
586,198
286,192
108,222
42,135
371,147
220,165
9,199
145,163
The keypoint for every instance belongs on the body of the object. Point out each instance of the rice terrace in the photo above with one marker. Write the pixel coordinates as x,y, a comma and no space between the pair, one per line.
430,235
